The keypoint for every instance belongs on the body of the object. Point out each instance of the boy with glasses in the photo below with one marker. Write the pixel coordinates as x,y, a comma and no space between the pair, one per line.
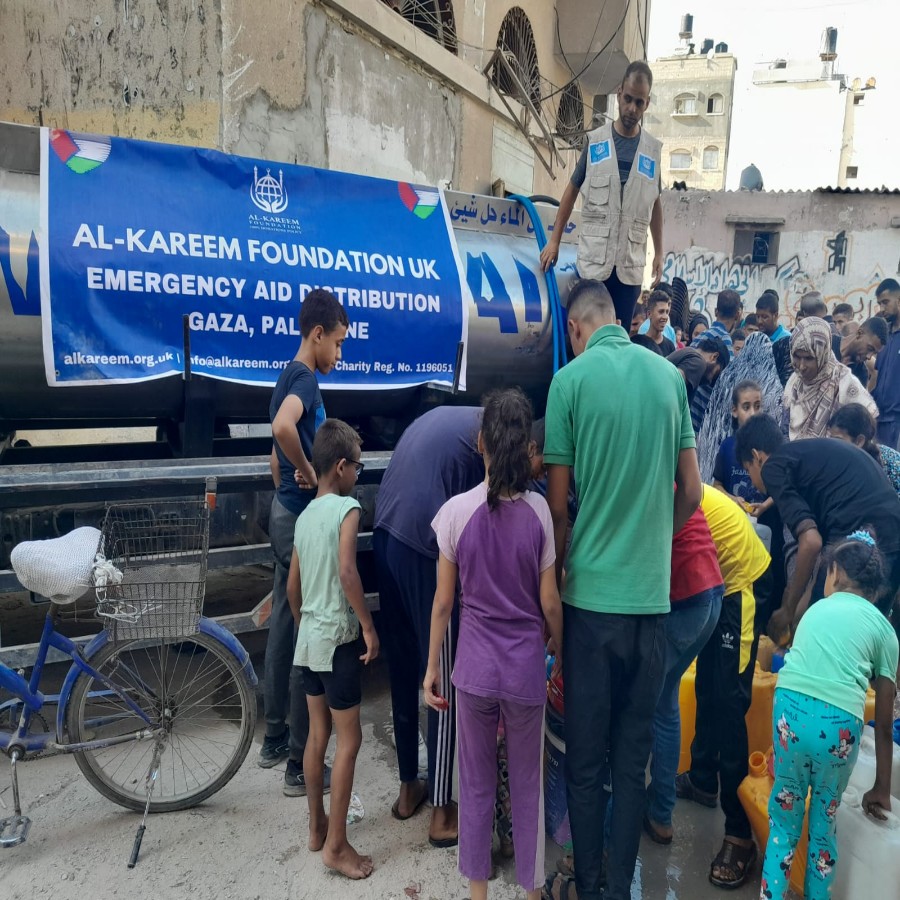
329,607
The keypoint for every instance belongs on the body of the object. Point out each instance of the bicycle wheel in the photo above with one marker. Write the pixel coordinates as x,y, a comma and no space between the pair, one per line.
194,692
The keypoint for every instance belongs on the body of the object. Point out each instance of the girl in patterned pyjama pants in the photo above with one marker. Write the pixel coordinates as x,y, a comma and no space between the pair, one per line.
842,642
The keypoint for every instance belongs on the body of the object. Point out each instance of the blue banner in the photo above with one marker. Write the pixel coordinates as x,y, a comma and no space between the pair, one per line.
139,235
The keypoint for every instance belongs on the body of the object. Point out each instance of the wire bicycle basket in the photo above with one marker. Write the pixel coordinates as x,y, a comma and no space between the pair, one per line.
150,576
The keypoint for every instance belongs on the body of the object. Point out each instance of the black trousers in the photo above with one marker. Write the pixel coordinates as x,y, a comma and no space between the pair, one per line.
613,668
406,583
724,690
624,297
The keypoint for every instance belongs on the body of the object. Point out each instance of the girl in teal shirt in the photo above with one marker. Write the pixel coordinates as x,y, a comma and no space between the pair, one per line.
842,643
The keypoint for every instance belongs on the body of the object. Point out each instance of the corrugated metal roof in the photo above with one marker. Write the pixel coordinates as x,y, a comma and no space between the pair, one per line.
884,189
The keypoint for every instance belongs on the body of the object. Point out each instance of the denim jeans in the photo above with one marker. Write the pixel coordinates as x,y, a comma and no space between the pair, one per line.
688,628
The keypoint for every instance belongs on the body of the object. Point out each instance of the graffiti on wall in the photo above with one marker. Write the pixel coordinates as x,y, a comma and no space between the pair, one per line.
706,273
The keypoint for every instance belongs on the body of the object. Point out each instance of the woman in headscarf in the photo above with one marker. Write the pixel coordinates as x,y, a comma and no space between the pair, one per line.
754,366
820,385
697,325
755,363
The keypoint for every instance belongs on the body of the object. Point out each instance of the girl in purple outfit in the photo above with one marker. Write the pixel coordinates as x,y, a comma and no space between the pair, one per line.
498,541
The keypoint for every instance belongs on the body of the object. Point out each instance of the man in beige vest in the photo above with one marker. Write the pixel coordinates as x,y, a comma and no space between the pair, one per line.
618,175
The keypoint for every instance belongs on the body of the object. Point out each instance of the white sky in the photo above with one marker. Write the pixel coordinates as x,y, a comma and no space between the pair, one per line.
868,45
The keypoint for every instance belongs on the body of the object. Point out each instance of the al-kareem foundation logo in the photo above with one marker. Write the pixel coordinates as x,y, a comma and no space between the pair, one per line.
270,196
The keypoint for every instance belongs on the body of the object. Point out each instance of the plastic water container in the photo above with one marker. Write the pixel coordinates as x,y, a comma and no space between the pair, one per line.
868,864
754,793
863,776
556,810
758,718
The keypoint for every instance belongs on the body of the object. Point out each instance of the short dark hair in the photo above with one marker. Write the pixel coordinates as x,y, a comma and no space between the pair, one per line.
750,319
861,561
639,69
760,432
842,309
747,384
666,288
647,342
876,326
335,440
657,296
772,293
856,420
889,284
738,335
709,343
639,310
812,303
321,307
589,296
728,303
539,433
768,302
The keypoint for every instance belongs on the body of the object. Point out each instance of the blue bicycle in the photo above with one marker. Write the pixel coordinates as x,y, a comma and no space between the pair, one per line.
159,708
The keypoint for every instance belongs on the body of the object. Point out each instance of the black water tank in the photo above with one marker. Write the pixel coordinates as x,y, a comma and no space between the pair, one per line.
722,48
706,46
687,25
829,43
751,179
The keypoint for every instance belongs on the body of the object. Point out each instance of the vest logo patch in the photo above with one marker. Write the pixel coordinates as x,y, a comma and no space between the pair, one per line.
646,166
598,152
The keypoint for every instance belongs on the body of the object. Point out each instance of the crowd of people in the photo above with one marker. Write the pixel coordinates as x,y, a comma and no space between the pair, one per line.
499,539
752,488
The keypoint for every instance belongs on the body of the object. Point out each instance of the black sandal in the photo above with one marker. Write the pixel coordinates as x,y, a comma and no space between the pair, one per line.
735,859
687,790
566,887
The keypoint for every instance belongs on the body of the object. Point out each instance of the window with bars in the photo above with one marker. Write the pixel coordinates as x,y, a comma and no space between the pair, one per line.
433,17
570,115
680,159
516,40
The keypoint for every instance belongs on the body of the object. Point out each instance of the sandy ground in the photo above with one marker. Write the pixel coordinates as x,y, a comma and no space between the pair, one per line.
249,841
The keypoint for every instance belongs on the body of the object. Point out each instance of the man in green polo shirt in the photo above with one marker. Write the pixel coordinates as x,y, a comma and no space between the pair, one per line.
619,415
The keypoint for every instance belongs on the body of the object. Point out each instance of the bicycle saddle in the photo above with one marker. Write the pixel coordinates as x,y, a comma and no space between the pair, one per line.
59,568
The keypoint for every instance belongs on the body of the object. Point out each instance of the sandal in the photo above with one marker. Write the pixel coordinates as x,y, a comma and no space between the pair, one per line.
566,866
565,888
395,809
686,790
656,836
737,861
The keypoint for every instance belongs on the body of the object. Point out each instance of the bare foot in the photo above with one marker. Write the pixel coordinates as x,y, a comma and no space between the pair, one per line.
444,823
317,835
348,862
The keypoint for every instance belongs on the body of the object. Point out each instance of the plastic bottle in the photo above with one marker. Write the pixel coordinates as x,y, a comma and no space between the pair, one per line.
868,864
754,793
356,810
863,776
758,718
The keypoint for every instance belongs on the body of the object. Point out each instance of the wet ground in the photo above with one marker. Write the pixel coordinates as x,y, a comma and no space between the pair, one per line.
249,840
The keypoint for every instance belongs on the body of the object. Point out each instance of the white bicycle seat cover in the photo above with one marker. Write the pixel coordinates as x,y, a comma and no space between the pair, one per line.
59,568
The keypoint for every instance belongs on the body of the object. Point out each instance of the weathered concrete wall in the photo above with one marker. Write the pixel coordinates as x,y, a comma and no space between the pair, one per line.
840,244
136,68
345,85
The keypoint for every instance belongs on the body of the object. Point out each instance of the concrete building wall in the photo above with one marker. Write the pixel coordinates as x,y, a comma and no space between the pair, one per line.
840,244
343,84
700,78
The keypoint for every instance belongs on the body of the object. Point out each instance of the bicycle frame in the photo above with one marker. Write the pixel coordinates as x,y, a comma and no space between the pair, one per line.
33,700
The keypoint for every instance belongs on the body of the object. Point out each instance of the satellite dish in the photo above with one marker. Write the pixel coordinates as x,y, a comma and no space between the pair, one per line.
712,54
